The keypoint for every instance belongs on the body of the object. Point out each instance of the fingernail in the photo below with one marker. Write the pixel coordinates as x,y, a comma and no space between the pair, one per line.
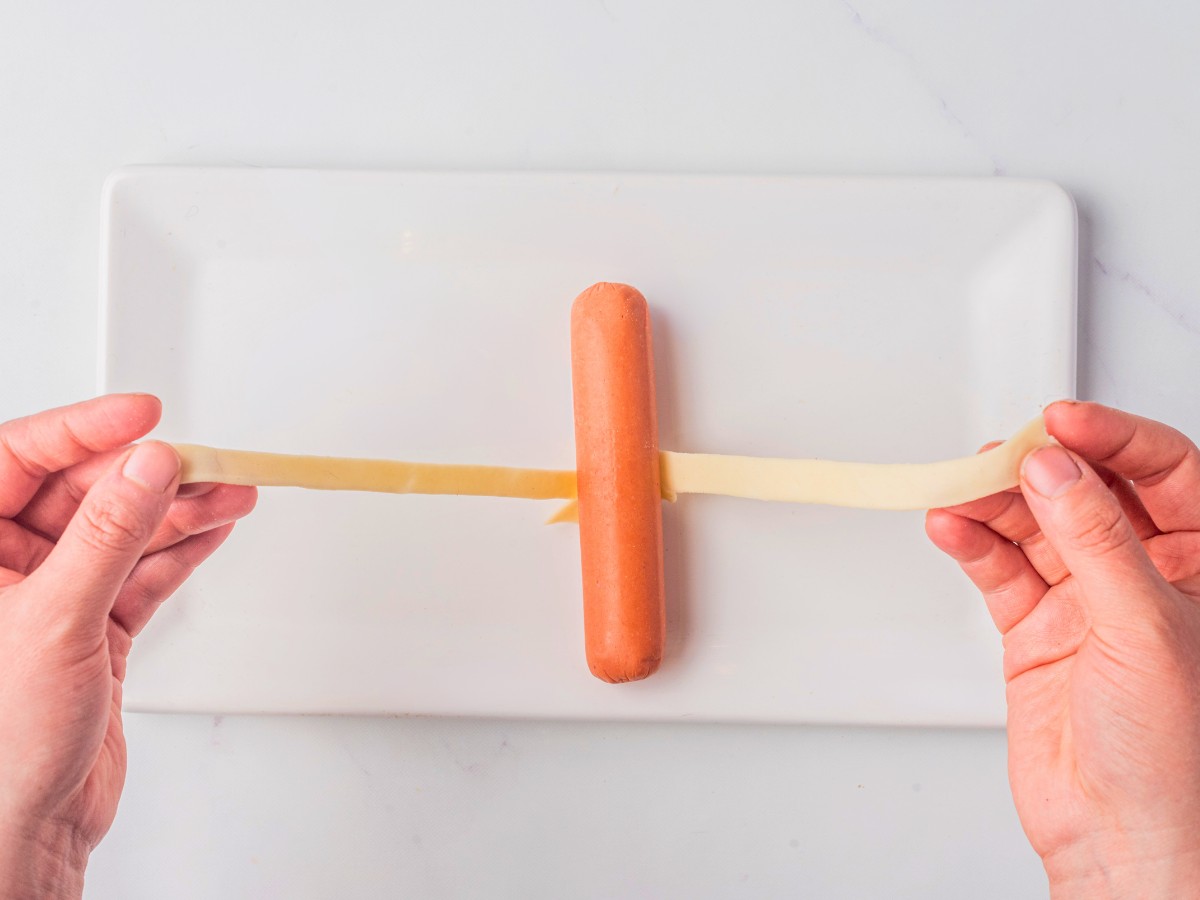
1050,471
153,466
1066,401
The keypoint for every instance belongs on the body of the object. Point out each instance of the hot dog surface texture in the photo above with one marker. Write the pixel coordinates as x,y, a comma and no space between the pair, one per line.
617,462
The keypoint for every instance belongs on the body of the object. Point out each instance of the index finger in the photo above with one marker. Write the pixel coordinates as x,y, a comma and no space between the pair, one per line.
1162,463
35,446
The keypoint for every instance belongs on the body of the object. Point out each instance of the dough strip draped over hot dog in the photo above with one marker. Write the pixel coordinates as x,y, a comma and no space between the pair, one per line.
862,485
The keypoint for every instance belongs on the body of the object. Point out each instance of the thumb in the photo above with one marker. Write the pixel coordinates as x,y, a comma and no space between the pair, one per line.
108,534
1084,522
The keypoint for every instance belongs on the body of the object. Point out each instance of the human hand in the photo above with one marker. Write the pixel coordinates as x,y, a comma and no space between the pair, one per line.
1091,571
93,537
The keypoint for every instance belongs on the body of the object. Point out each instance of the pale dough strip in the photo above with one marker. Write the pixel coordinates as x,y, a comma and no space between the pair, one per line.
865,485
331,473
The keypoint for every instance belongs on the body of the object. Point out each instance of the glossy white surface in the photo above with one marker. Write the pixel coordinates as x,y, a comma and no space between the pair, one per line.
425,317
1100,98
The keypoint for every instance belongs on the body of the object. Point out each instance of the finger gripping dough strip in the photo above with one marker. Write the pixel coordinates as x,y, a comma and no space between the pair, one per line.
862,485
385,476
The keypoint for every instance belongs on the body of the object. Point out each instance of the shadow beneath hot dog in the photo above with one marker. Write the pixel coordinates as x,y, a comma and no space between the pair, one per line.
675,527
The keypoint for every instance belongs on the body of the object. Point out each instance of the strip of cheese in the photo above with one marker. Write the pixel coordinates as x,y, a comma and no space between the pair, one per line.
386,476
864,485
566,514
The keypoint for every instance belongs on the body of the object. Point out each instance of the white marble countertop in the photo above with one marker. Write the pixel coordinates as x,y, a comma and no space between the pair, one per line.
1101,101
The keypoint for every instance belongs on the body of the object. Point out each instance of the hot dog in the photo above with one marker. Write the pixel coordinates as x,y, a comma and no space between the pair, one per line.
617,464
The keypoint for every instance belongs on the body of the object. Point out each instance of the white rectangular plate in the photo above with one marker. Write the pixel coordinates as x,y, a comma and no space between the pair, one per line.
425,317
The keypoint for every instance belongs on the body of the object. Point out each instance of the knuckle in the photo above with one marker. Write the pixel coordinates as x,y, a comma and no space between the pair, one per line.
120,641
1175,560
110,526
136,603
1103,530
